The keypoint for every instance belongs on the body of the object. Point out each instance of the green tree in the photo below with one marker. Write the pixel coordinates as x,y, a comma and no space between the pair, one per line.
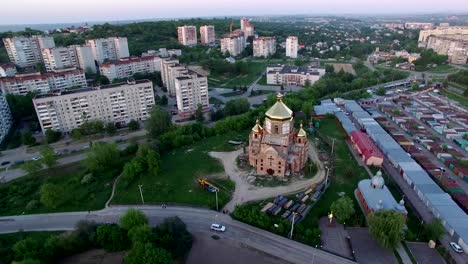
27,261
28,248
28,139
133,125
158,123
76,134
133,218
173,236
386,228
343,209
151,157
164,100
199,114
132,170
142,234
32,167
103,157
52,136
381,91
236,107
111,129
415,87
434,230
52,195
48,156
111,237
148,254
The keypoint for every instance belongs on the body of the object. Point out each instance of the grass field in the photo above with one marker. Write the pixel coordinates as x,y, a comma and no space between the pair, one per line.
233,93
261,92
231,81
458,86
442,69
180,169
459,98
16,195
7,241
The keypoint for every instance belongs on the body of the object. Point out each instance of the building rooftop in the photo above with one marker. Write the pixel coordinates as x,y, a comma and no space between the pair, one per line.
279,110
128,60
379,198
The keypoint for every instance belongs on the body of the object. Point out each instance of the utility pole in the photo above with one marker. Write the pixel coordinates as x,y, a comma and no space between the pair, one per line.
141,194
216,193
326,178
292,226
333,145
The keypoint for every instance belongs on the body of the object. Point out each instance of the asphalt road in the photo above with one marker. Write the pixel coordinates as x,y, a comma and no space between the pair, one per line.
197,220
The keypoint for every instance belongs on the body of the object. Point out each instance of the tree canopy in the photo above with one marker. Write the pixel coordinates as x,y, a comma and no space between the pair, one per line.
133,218
343,209
158,123
386,227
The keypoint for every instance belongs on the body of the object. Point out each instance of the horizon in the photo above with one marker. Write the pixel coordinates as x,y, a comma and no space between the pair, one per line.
58,12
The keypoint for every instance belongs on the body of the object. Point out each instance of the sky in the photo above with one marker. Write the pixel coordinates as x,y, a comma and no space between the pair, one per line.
58,11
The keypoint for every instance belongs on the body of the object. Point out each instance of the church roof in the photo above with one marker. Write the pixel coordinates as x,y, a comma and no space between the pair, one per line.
257,127
301,132
279,110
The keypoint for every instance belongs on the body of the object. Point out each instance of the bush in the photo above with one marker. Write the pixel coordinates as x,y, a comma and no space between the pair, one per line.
52,136
111,237
87,178
143,234
52,195
148,254
133,218
28,248
173,236
33,204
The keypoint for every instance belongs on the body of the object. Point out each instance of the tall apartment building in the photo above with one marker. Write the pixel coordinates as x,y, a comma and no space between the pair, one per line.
418,25
293,75
191,91
264,46
169,70
21,84
127,67
71,56
187,35
454,46
207,35
292,46
108,49
233,43
440,31
5,117
114,103
246,27
7,69
26,51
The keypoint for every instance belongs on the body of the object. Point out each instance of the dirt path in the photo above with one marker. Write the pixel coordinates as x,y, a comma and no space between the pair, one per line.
246,192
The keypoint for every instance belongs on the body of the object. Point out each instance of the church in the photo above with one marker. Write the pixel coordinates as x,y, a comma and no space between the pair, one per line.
278,148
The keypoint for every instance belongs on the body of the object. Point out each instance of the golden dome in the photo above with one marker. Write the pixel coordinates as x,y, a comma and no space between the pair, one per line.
279,110
257,128
301,132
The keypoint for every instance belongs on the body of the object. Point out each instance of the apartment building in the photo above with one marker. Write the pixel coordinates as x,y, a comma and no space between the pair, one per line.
247,28
394,25
440,31
163,53
187,35
191,91
7,69
114,103
293,75
418,25
292,46
264,46
454,46
127,67
108,49
207,35
71,56
21,84
5,117
169,70
234,44
26,51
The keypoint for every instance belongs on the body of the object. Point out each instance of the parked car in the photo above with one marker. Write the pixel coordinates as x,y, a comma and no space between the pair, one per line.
456,247
36,158
4,163
218,227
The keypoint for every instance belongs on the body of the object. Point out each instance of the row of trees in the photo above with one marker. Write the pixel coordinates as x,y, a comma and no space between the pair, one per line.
147,159
429,57
160,245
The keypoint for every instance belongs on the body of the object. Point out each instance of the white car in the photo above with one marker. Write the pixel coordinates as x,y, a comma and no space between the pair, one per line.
36,158
218,227
456,247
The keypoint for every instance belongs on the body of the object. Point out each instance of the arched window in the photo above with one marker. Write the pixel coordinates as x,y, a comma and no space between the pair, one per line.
276,129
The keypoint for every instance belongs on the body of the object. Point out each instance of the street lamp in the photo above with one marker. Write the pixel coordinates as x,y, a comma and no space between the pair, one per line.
292,226
216,193
141,194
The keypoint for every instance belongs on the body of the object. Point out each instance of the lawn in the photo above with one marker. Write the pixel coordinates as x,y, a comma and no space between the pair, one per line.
231,81
180,169
233,93
459,98
7,241
260,92
22,195
215,101
443,68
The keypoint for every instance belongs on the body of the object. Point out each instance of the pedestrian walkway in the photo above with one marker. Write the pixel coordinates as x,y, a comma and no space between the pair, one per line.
403,254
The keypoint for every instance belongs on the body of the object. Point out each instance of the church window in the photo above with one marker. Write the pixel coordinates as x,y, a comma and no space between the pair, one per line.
279,171
276,129
261,168
279,162
255,135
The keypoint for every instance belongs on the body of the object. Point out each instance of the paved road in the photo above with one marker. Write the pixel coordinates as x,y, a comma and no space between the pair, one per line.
197,220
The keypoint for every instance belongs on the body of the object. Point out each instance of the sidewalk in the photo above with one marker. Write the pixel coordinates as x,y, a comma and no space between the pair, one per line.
403,254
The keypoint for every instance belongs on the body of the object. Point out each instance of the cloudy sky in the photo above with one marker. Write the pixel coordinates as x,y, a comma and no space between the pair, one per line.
54,11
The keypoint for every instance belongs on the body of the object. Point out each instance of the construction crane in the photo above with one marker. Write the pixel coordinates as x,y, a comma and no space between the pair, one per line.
207,185
230,26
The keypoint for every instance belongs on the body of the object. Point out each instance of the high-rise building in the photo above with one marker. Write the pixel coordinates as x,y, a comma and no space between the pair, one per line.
127,67
419,25
187,35
5,117
244,22
191,91
264,46
440,31
108,49
233,43
7,69
21,84
246,27
293,75
454,46
292,45
114,103
71,56
26,51
169,70
207,35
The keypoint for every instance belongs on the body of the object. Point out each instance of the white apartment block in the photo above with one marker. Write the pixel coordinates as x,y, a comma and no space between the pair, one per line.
440,31
7,69
171,69
246,27
292,46
191,91
108,49
187,35
234,44
207,35
127,67
418,25
21,84
264,46
454,46
26,51
71,56
293,75
5,117
114,103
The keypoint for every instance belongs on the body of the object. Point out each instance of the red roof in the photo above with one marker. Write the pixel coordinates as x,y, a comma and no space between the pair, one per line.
128,60
365,145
